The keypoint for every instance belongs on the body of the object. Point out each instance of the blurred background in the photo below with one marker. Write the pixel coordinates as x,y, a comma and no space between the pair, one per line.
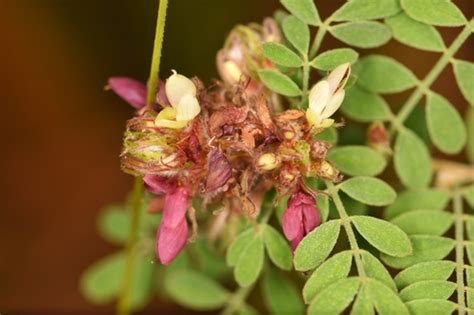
62,133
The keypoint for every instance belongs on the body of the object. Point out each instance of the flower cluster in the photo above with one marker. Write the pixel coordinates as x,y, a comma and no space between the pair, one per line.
227,144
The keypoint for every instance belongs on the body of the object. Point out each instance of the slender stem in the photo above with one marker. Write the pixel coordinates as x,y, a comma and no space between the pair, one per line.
123,304
323,28
347,227
236,300
157,47
459,235
305,79
425,84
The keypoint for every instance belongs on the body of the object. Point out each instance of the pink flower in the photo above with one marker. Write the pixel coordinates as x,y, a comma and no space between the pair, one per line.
131,91
300,217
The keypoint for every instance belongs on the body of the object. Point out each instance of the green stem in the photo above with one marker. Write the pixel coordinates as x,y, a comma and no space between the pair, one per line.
425,84
347,227
123,304
459,235
236,300
305,79
157,47
323,28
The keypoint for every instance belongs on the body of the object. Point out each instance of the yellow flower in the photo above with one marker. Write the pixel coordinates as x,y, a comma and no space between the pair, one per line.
326,97
181,93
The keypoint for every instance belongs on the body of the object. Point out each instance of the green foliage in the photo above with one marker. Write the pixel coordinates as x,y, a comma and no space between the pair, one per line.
366,10
277,248
430,289
364,106
250,262
362,34
305,10
432,270
435,12
369,190
463,72
470,134
280,295
279,83
335,297
431,306
281,55
385,300
238,246
375,269
427,222
113,224
357,160
297,33
330,59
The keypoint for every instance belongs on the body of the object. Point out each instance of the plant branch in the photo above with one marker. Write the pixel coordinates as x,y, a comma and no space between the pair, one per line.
323,28
305,79
347,227
425,84
123,304
459,235
236,300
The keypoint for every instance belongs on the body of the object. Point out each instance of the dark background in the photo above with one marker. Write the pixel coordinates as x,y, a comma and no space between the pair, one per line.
61,133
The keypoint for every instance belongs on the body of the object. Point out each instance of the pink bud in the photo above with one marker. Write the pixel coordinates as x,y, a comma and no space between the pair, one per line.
159,185
131,91
300,217
219,170
176,204
171,241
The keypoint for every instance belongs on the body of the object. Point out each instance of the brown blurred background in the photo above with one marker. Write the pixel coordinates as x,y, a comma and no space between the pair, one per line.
62,133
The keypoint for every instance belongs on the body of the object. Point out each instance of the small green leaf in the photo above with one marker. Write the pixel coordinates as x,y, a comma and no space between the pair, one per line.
364,106
382,74
317,246
470,252
375,269
335,268
194,290
366,10
279,83
357,160
330,59
385,300
280,295
336,297
297,33
281,55
426,222
435,12
470,134
209,262
322,201
361,34
329,134
383,235
250,263
277,248
425,248
369,190
247,310
415,34
305,10
412,160
432,270
463,71
468,194
470,227
238,246
409,200
363,304
430,289
445,125
114,224
431,306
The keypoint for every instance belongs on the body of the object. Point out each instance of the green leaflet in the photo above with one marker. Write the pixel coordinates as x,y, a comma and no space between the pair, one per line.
297,33
470,252
238,245
279,83
445,125
430,289
280,295
330,59
194,290
364,106
322,202
250,263
362,304
383,235
435,12
365,34
470,134
412,160
425,199
357,160
385,300
329,134
425,248
468,194
336,297
369,190
382,74
305,10
366,10
317,246
463,72
415,34
470,228
209,262
375,269
426,222
431,306
335,268
281,55
277,248
432,270
114,224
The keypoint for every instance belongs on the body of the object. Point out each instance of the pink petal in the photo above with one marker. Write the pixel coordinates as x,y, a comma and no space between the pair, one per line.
311,218
176,204
219,170
159,185
131,91
170,241
296,241
292,222
161,97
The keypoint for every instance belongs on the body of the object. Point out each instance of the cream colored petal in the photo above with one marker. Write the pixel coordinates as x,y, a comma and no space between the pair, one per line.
167,119
319,96
188,108
333,105
177,86
312,117
326,123
338,77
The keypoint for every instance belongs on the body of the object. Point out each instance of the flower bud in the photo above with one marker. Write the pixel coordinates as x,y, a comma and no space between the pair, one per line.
267,162
159,185
378,138
328,171
131,91
219,170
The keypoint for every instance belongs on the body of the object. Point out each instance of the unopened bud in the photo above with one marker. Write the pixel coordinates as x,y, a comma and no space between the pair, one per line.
378,139
268,162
